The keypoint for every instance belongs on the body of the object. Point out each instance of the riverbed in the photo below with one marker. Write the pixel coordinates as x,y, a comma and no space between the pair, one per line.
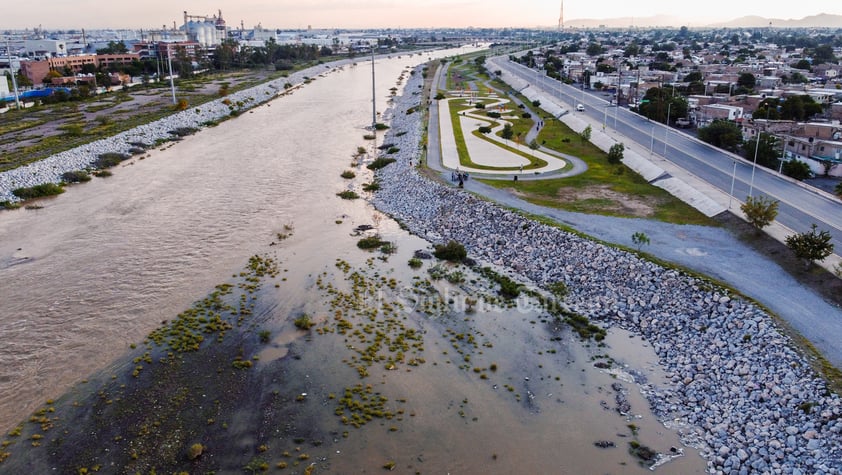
92,273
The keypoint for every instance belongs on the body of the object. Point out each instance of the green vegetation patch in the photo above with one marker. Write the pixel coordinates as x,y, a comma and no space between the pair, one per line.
38,191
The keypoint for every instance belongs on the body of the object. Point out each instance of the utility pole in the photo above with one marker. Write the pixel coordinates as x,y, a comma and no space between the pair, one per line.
12,72
373,95
172,82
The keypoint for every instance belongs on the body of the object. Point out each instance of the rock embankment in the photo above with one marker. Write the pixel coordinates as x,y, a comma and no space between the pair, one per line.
738,388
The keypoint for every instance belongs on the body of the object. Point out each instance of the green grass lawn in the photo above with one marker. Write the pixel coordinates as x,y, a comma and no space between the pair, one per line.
603,189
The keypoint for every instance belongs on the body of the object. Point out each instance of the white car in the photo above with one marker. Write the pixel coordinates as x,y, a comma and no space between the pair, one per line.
580,107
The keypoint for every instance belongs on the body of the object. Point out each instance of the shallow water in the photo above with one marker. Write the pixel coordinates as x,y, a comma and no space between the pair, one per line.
102,265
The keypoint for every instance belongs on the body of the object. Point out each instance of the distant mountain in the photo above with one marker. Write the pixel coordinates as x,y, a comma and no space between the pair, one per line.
822,20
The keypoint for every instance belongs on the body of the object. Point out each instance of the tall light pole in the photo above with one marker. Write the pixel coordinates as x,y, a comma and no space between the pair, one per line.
373,94
172,82
733,179
12,73
756,148
652,141
667,132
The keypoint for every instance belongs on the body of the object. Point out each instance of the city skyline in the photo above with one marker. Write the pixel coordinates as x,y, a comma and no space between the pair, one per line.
353,14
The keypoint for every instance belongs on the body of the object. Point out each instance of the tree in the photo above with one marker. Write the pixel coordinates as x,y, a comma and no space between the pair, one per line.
811,246
615,153
767,150
693,76
760,211
114,48
803,65
507,132
662,101
639,239
747,80
796,169
585,135
22,80
594,49
723,134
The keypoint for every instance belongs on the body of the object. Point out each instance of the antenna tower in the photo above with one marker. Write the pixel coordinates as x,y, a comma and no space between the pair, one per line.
561,17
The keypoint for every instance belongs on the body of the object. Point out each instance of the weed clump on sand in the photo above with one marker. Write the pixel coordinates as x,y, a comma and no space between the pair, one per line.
77,176
370,242
38,191
348,195
304,322
453,251
110,159
380,163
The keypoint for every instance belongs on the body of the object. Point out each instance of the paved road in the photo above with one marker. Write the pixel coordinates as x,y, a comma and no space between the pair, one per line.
710,251
799,207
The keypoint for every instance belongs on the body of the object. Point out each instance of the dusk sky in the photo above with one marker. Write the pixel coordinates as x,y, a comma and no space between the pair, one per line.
66,14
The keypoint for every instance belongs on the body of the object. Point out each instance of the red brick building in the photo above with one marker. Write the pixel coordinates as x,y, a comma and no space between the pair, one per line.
36,71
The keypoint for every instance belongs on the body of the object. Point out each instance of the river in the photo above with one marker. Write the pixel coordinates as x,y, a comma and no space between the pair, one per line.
99,267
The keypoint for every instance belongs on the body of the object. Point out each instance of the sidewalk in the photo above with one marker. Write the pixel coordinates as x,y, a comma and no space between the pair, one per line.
658,170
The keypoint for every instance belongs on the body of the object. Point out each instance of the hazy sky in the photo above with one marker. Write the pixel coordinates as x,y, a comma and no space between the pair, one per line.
65,14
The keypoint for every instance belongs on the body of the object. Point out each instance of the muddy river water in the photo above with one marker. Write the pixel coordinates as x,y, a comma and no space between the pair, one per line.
503,389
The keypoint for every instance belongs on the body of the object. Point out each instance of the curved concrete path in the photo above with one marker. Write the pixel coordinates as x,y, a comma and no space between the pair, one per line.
445,158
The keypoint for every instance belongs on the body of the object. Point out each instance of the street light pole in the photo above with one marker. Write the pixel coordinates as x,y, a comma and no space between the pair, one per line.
756,148
652,141
12,73
667,132
733,179
172,82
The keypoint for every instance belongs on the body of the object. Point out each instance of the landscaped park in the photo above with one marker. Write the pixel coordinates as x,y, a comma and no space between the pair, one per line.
495,134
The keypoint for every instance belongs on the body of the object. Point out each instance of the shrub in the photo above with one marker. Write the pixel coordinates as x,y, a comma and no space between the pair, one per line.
108,160
452,251
102,173
479,105
810,246
380,126
370,242
373,186
369,136
760,211
493,115
304,322
38,191
183,131
526,115
379,163
195,451
348,174
484,129
75,176
439,96
393,150
180,105
796,169
415,263
615,153
73,130
639,239
348,195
